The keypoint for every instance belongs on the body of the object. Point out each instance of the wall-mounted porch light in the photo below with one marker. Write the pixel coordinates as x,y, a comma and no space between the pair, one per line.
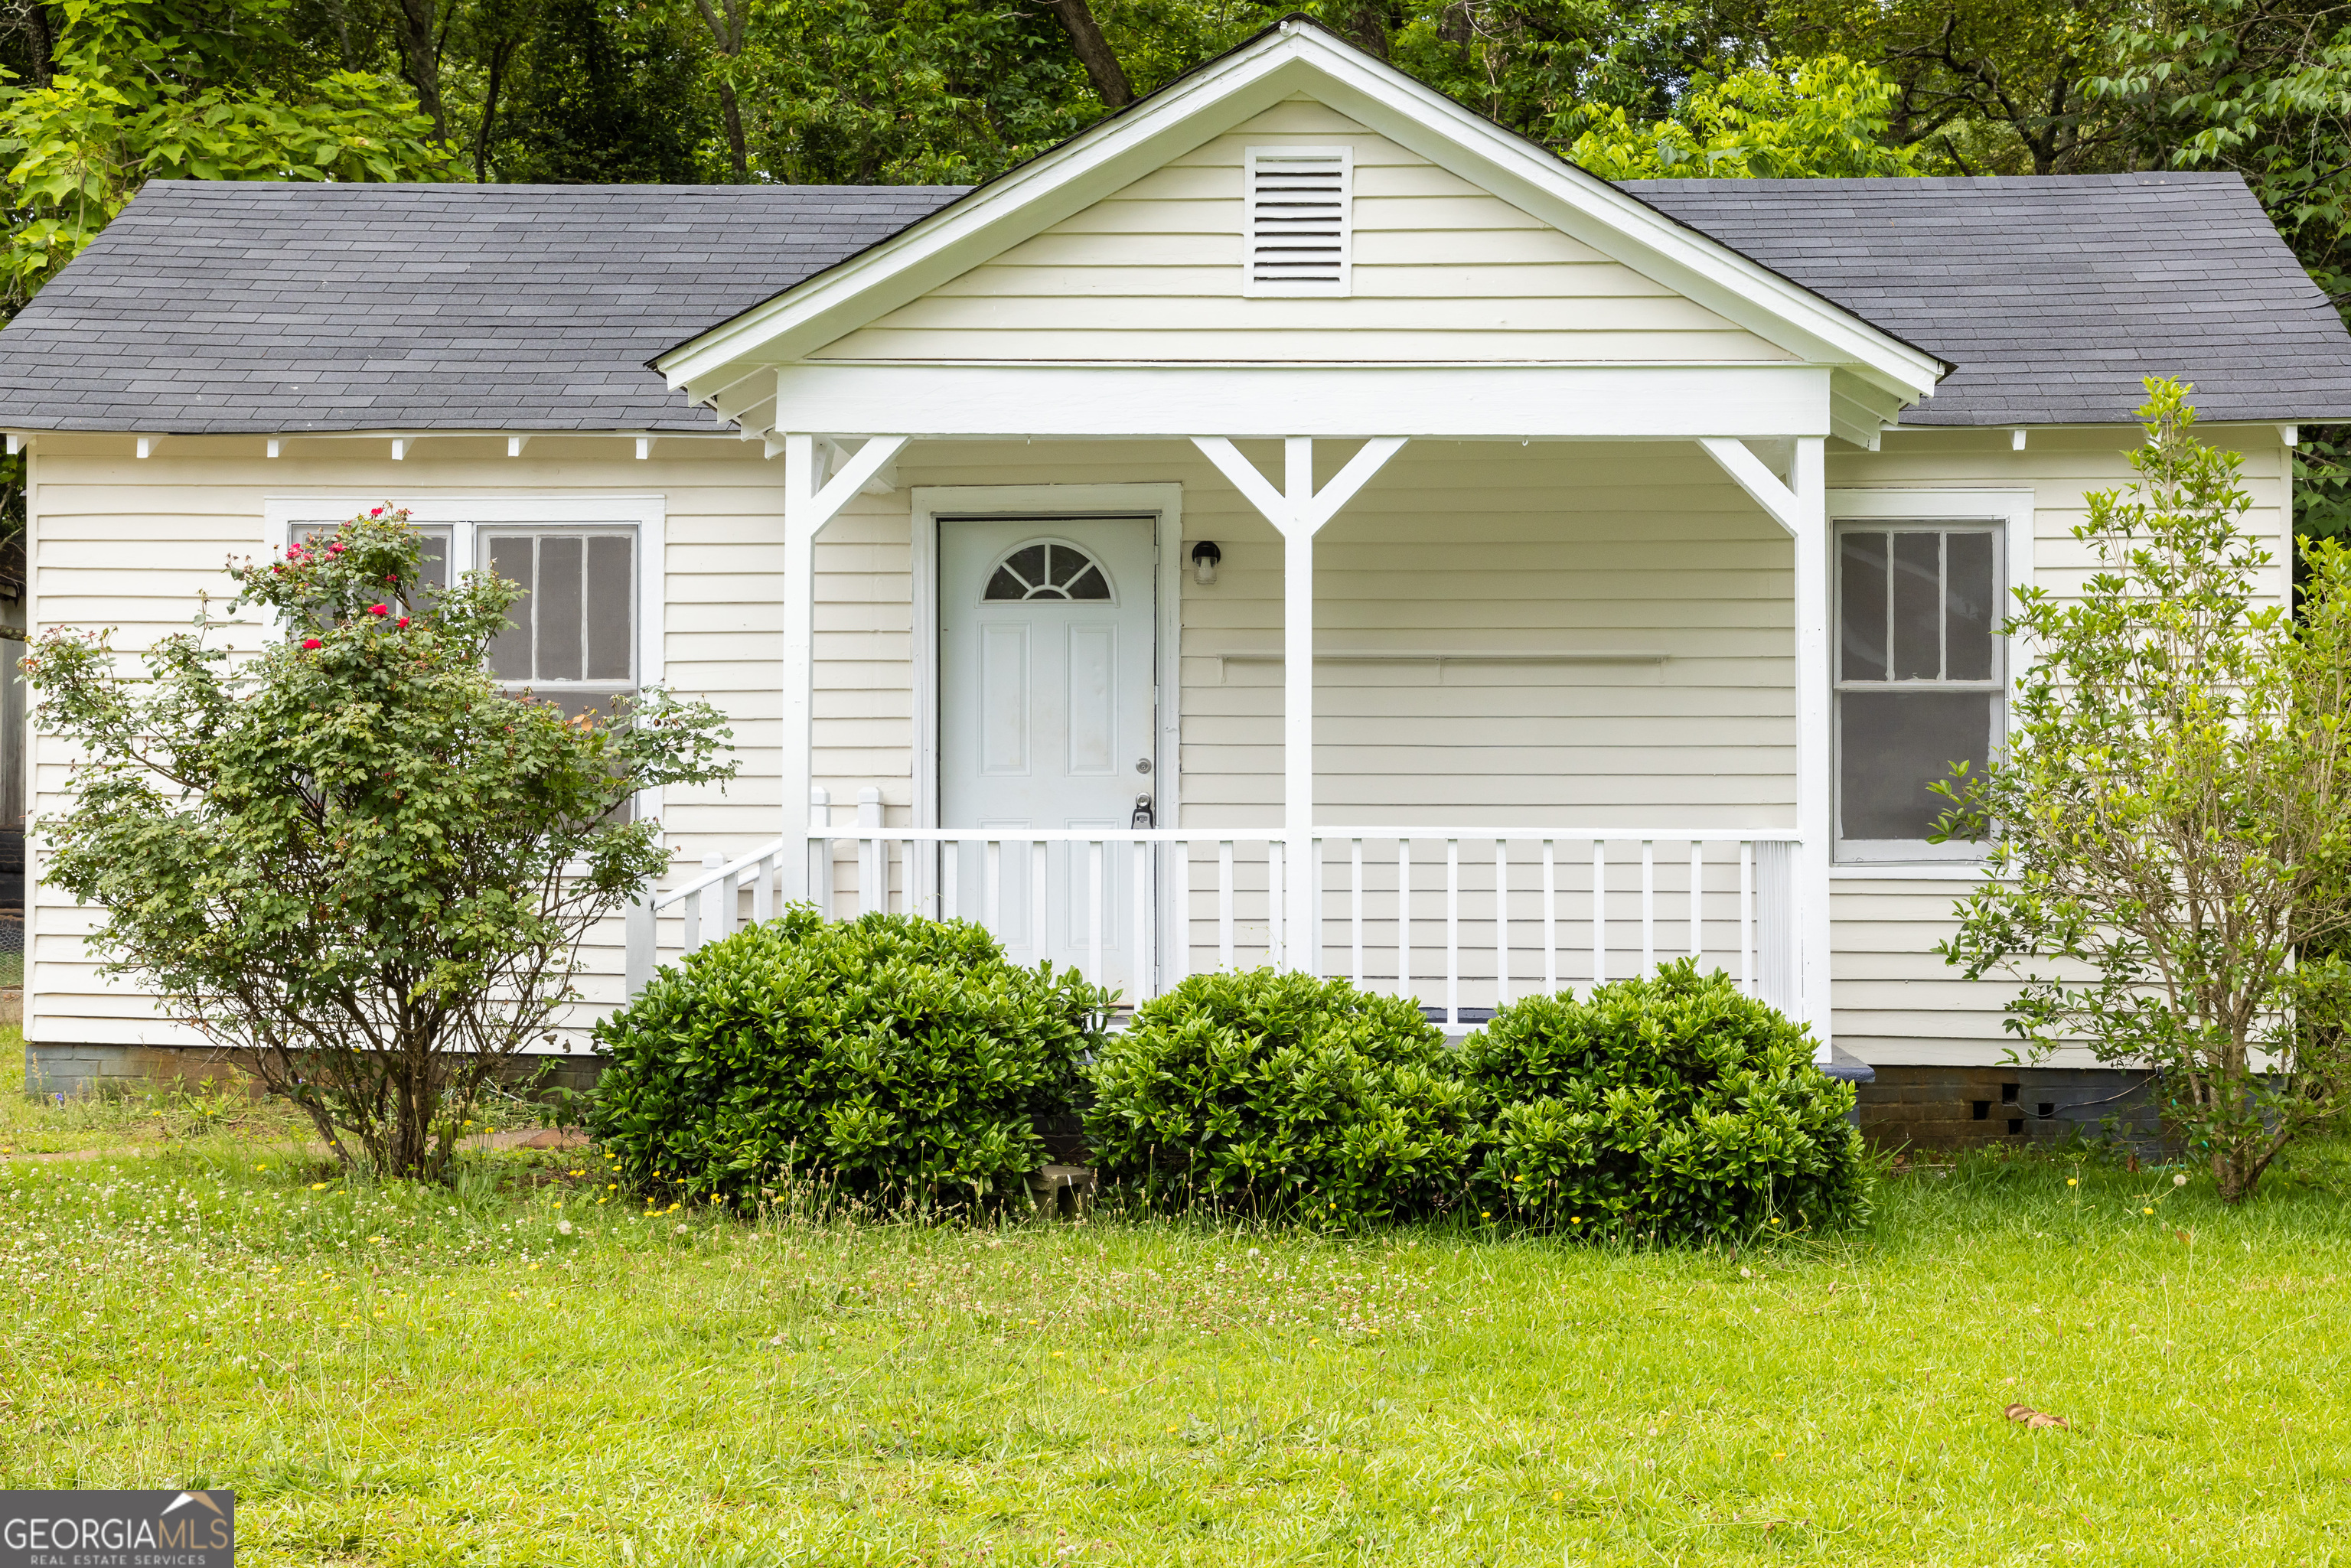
1204,557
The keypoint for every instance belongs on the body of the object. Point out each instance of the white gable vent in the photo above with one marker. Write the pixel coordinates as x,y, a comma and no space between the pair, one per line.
1300,227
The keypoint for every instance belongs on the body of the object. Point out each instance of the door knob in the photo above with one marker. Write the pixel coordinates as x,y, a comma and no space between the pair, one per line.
1142,815
1143,765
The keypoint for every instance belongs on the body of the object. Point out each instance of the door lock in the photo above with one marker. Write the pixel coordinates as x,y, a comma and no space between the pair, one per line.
1143,765
1142,814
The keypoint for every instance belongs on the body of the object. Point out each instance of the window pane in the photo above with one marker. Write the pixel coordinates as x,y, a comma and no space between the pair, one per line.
1863,607
1918,607
1969,604
435,565
1892,745
1004,585
558,617
1029,565
510,557
1090,585
608,593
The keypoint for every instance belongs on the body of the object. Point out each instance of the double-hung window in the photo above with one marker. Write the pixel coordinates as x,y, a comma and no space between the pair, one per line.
1921,676
572,640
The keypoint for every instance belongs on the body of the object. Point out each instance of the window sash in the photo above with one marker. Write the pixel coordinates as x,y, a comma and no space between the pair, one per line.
1887,678
579,631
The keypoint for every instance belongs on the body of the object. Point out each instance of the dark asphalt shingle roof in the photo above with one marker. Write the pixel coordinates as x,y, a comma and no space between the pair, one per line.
221,308
2053,296
213,307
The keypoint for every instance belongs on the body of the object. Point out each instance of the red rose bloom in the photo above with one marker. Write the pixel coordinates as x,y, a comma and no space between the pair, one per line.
378,610
403,622
312,642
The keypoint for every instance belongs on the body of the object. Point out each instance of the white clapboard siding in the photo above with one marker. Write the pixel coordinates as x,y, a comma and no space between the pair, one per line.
1897,1001
1441,270
1492,547
125,543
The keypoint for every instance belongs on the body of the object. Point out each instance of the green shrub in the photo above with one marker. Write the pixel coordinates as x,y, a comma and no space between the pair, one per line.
1282,1092
1671,1108
898,1057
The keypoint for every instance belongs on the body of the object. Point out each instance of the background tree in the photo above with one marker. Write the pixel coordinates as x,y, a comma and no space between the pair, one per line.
351,860
2172,821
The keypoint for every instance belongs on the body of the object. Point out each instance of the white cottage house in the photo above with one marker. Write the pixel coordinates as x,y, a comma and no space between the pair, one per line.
1293,521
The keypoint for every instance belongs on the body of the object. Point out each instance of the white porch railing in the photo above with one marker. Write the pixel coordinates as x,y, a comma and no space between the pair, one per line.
1461,919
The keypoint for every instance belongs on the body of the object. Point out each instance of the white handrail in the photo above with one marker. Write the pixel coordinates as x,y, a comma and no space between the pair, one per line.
1487,924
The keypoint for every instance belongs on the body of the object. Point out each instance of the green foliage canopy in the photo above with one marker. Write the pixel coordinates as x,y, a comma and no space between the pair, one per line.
2171,825
896,1056
350,858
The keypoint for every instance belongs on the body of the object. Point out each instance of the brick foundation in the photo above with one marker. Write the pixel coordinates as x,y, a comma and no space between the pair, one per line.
1946,1109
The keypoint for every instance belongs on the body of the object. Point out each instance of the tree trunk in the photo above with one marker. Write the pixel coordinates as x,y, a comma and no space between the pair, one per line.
500,53
1094,53
419,52
734,142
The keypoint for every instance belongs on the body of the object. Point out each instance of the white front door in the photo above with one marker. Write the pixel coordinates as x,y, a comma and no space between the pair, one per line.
1046,667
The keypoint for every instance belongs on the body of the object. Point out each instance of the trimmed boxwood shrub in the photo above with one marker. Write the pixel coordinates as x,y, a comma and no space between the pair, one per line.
1671,1108
898,1057
1281,1093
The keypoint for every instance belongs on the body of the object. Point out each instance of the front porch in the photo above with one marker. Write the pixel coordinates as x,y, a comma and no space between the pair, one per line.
1563,726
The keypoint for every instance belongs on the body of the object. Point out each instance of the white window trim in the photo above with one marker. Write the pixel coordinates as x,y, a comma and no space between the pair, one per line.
649,515
1042,503
2010,512
1254,290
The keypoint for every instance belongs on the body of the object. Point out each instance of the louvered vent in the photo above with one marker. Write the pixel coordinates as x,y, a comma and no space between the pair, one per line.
1301,219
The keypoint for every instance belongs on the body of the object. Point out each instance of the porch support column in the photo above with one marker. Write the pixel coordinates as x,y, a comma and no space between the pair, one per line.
1815,817
1800,505
810,501
1297,512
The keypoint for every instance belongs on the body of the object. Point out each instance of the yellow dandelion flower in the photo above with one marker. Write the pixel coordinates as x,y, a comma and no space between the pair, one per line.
2073,1181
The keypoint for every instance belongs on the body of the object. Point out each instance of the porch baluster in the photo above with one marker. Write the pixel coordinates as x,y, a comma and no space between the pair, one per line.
1094,910
1276,950
991,855
1224,903
1648,907
1403,919
1747,917
1144,968
1599,912
1697,893
1550,919
1355,906
1037,936
1501,922
1453,933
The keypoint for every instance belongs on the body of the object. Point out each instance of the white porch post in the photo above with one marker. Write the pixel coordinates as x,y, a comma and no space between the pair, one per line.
1296,511
1801,506
1815,808
1299,937
810,501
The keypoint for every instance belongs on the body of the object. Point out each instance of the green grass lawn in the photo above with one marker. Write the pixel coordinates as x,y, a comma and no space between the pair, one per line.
529,1368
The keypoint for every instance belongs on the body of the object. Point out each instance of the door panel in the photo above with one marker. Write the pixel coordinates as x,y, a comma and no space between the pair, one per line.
1047,652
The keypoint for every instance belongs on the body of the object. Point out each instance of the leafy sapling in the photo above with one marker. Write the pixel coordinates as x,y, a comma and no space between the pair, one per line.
2171,822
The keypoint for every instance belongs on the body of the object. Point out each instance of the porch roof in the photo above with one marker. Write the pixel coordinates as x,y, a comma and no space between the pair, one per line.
229,307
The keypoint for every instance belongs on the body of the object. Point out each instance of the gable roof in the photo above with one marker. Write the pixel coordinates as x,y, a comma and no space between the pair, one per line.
2053,296
221,308
730,366
213,307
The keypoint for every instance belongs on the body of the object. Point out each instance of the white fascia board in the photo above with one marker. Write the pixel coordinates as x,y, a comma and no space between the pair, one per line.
1298,59
1254,402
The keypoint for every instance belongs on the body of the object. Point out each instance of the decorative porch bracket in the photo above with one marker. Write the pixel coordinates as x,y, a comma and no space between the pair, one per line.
1800,505
810,501
1297,512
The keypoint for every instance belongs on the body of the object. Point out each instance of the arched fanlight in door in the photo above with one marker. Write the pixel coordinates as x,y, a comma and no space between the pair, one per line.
1048,569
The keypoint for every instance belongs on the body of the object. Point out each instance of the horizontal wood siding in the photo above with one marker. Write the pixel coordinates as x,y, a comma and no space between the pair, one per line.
1895,1000
1492,547
1443,271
